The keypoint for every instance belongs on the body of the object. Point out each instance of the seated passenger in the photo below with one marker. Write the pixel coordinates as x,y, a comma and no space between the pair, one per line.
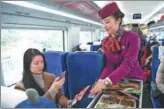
136,29
160,81
76,48
147,59
34,76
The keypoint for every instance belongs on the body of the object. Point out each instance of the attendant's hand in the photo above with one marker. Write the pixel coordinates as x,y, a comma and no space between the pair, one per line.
98,87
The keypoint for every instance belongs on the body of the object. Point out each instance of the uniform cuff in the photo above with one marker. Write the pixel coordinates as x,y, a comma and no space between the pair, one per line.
108,79
53,92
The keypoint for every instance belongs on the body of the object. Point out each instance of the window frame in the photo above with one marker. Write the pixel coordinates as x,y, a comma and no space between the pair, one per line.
92,33
22,27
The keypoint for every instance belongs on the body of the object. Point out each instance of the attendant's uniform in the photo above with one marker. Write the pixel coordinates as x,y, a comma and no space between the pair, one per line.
121,54
123,63
121,51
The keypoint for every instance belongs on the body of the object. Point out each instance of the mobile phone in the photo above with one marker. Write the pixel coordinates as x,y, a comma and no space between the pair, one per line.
62,75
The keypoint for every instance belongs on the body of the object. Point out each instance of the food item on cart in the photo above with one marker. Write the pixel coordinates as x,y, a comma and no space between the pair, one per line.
130,95
110,100
115,106
122,85
122,97
101,105
106,91
116,86
116,94
132,85
134,91
128,103
112,87
129,85
109,91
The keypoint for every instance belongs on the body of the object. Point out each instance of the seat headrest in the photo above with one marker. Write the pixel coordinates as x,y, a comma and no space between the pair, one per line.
161,52
96,43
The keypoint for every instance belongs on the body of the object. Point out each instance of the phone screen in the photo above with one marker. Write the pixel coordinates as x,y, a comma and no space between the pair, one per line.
63,75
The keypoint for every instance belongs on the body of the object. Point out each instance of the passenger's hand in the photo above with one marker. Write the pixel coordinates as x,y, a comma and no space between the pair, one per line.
98,87
58,82
147,61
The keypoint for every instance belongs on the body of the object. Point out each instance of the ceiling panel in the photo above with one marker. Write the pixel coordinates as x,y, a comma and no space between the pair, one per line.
131,7
81,6
90,8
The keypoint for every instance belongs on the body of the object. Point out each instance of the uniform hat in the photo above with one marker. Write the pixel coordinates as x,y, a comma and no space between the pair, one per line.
108,10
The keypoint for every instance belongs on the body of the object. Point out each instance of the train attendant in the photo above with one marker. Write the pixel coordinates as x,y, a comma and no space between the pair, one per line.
121,50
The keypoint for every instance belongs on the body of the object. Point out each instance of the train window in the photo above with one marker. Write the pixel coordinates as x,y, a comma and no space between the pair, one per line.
162,33
103,34
14,42
85,36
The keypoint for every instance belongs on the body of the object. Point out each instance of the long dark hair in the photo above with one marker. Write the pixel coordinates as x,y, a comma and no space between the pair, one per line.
28,79
118,15
149,52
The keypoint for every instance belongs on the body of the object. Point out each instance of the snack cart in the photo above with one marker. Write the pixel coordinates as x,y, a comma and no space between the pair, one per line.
126,94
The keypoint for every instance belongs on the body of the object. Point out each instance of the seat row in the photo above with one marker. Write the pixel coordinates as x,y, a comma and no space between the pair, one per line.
82,69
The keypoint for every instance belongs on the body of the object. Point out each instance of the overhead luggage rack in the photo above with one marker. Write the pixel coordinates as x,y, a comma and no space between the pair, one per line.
158,25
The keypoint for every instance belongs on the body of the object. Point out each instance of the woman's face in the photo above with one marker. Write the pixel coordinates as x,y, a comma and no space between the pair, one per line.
111,25
37,64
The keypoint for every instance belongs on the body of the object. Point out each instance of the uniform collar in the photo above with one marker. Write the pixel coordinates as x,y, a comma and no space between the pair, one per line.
118,34
120,31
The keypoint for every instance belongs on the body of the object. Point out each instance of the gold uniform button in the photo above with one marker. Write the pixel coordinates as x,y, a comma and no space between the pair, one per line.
123,47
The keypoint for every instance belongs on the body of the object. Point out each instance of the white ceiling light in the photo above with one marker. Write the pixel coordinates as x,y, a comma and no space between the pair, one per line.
101,4
41,8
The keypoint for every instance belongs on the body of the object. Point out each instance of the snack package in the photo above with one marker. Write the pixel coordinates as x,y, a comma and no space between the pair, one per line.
80,95
82,92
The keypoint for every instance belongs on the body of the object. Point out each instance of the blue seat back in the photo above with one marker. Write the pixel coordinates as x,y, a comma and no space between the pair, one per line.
43,103
56,64
94,47
163,43
155,62
83,69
